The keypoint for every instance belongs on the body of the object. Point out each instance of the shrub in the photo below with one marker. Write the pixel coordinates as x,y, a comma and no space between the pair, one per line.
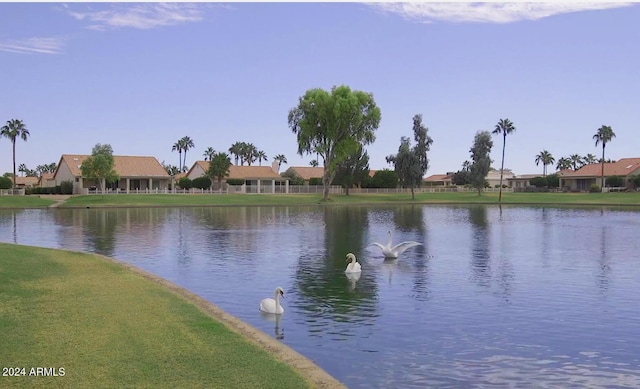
615,181
594,188
294,179
201,182
67,187
185,183
235,181
5,183
315,181
553,181
384,179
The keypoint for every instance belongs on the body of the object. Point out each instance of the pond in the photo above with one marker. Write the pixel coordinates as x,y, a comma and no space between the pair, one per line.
494,297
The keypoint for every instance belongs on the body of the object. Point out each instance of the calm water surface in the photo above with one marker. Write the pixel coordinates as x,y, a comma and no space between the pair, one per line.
495,298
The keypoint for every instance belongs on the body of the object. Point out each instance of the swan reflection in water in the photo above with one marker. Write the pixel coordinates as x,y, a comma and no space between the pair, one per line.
353,279
278,332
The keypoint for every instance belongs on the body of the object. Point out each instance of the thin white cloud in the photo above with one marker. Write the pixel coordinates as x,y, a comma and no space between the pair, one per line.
142,16
33,46
488,12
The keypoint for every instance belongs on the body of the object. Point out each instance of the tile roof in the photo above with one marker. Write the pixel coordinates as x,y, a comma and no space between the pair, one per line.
125,166
244,172
307,172
622,167
27,181
438,177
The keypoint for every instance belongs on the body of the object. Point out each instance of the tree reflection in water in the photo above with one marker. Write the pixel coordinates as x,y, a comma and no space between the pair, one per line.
324,289
480,261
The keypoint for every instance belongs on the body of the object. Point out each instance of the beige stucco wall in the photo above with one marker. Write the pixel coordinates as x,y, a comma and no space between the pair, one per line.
196,172
64,174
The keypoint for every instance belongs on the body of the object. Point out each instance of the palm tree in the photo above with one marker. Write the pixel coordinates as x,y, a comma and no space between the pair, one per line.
261,156
563,163
604,135
314,163
281,159
249,153
236,150
576,161
187,143
208,153
589,159
504,127
22,168
178,147
546,158
13,130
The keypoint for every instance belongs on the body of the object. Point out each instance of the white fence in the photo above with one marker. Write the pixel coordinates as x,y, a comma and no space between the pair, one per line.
297,189
12,192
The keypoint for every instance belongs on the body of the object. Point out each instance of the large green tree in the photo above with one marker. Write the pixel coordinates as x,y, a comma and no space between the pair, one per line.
100,165
333,125
604,135
219,167
481,160
504,127
411,164
545,158
13,130
353,170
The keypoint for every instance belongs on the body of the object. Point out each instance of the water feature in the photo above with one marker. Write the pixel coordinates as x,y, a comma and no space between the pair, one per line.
495,297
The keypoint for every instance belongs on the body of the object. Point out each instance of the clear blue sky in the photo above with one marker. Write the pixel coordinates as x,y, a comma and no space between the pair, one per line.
141,76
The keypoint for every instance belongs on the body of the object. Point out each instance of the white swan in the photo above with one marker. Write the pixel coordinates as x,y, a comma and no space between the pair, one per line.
273,305
392,252
353,266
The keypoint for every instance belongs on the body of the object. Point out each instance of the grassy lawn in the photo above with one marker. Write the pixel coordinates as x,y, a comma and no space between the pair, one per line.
24,202
171,200
110,327
337,199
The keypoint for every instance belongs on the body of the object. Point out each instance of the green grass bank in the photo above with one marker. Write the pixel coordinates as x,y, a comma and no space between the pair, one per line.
181,200
110,325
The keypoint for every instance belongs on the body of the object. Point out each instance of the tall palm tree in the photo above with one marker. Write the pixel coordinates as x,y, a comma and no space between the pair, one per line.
280,158
261,156
589,159
13,130
546,158
208,153
178,147
504,127
576,161
249,153
604,135
563,163
187,143
314,163
236,150
22,168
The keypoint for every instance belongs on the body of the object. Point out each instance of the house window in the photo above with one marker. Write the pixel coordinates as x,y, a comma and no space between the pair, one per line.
77,179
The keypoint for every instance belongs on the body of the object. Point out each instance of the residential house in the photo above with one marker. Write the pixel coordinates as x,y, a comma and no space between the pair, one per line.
583,178
257,179
307,172
493,177
26,182
521,181
438,180
46,180
137,173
